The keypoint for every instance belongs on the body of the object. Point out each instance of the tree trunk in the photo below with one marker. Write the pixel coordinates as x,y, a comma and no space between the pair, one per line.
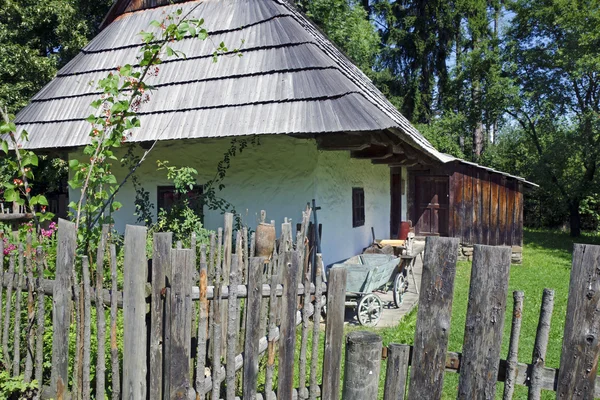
574,218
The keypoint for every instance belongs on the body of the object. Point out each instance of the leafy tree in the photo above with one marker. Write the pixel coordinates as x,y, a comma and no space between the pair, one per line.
348,25
554,59
39,36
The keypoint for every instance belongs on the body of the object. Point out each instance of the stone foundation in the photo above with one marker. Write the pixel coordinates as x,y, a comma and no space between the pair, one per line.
465,253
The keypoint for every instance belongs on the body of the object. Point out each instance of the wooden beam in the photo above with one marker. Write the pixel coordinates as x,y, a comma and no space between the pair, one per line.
373,152
335,141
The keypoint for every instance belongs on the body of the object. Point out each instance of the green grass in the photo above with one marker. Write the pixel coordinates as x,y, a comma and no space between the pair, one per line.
546,264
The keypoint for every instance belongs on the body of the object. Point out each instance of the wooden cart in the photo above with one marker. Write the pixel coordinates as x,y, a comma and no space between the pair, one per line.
367,273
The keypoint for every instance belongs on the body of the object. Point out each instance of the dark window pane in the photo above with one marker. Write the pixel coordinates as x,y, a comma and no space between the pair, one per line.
358,207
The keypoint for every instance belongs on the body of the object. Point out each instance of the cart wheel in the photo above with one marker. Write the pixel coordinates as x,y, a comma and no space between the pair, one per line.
369,310
399,288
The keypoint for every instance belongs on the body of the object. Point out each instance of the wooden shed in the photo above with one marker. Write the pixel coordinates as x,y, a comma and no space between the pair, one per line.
461,199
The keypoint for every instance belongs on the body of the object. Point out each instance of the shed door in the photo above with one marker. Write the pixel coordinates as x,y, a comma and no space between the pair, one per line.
432,205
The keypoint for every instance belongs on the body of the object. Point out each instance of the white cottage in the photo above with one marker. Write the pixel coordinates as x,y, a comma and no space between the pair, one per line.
325,131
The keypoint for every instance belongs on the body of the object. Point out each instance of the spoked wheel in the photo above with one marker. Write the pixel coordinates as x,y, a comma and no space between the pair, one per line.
400,286
369,309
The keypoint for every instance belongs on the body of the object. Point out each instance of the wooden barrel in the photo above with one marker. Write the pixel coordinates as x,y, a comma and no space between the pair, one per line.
265,240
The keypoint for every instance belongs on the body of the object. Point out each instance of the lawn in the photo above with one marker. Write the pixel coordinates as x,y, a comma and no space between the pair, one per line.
546,264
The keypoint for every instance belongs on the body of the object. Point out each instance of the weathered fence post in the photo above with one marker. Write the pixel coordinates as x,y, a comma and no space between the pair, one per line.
182,262
513,346
541,345
287,341
61,307
396,371
253,332
334,332
134,314
161,269
581,344
484,322
362,366
435,309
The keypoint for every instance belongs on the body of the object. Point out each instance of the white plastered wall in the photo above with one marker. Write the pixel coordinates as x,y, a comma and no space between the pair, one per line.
280,176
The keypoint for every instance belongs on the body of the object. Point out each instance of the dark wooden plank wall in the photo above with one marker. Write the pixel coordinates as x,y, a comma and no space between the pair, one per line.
484,208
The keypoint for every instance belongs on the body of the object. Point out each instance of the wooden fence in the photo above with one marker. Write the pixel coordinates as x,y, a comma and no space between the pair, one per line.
212,327
480,366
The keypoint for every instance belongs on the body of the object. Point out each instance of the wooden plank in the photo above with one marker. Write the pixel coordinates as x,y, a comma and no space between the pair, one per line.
494,201
513,346
303,392
458,212
287,344
161,269
485,207
477,207
519,210
40,313
581,343
334,333
502,212
467,237
87,330
232,323
541,345
433,318
314,359
114,349
61,308
182,261
216,327
30,332
7,315
484,322
273,309
226,266
17,318
134,313
253,332
202,327
362,365
510,212
396,371
100,315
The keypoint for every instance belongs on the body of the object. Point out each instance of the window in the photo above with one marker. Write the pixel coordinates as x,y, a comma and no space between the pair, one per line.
358,207
167,196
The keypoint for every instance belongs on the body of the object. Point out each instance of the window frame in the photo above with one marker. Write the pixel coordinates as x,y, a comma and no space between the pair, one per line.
161,190
358,207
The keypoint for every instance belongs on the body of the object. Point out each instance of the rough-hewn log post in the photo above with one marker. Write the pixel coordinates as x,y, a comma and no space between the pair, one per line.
363,363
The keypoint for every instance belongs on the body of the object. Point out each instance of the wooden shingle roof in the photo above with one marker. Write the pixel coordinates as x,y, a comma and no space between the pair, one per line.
290,80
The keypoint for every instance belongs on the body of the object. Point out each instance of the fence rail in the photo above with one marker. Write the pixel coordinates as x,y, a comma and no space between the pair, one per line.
191,323
479,365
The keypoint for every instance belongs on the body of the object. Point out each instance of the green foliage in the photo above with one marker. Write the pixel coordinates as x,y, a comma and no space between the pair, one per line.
347,24
15,387
37,38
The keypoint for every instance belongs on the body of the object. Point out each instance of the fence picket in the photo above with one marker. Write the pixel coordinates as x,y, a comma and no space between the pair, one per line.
334,333
435,309
363,362
513,347
253,332
270,370
61,310
114,349
9,290
287,342
16,370
87,330
30,332
1,287
314,358
484,322
232,322
202,326
302,391
100,316
180,322
541,345
134,313
40,320
396,371
581,343
161,262
216,328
